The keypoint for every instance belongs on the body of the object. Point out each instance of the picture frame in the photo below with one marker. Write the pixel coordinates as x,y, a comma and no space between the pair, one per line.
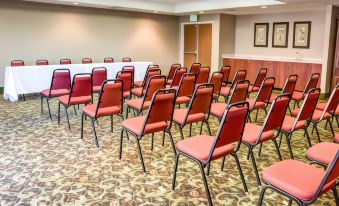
261,34
280,34
302,34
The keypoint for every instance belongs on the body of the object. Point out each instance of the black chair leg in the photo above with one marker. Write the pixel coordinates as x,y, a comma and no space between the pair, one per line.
69,126
240,171
201,128
255,167
175,171
190,135
121,138
256,116
49,109
316,131
205,184
289,145
75,111
308,137
208,168
208,127
152,140
262,194
181,132
335,193
172,142
140,155
260,148
42,104
223,163
163,138
95,133
331,127
82,126
59,113
277,148
111,124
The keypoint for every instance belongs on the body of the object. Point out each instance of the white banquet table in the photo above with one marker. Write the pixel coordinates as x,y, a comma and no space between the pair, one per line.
34,79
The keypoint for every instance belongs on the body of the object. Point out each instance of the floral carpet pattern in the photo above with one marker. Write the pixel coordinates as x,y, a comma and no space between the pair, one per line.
43,163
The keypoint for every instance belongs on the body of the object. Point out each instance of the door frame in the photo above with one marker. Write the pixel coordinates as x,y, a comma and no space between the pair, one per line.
181,52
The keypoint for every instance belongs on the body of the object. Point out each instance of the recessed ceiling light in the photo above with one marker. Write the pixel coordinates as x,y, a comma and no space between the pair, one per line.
263,7
75,3
201,12
155,12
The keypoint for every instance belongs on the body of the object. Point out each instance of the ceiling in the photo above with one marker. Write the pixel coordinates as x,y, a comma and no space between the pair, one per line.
184,7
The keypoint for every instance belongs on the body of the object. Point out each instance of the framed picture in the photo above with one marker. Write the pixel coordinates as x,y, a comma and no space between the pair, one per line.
261,34
280,34
302,34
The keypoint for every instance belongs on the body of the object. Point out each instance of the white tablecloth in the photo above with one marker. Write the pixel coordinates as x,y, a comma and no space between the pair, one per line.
34,79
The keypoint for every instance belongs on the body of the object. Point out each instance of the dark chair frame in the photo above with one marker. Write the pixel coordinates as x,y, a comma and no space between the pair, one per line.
306,89
256,81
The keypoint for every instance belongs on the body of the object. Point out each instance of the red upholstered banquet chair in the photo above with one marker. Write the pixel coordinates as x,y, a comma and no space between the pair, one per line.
153,66
298,96
336,138
216,80
65,61
226,70
301,182
108,60
204,149
322,153
110,103
195,67
126,59
141,88
131,69
99,75
261,75
288,88
127,78
17,63
60,85
171,72
227,91
87,61
186,88
41,62
174,83
203,75
158,119
81,93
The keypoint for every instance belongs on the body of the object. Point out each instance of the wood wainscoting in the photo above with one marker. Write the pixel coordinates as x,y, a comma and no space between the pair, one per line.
278,69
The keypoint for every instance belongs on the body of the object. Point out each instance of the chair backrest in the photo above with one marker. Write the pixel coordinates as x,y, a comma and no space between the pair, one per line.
231,127
203,75
152,66
126,59
172,70
290,83
309,105
261,75
99,75
65,61
177,76
17,63
332,101
240,91
87,61
111,95
239,75
195,68
126,77
131,69
216,80
61,79
201,100
41,62
108,60
265,90
154,84
312,82
81,86
226,70
150,73
187,85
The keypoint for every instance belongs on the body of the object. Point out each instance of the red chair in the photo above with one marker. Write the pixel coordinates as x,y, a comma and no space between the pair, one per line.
153,66
300,181
216,80
255,134
108,60
336,138
158,119
302,120
99,75
41,62
186,88
131,69
17,63
172,70
87,61
226,70
141,88
126,77
203,75
239,93
81,93
261,75
300,95
174,83
227,91
322,153
204,149
60,85
198,109
110,103
195,68
263,97
155,83
126,59
65,61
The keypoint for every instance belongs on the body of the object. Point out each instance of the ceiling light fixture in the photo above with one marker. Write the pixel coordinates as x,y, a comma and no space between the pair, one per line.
263,7
155,12
201,12
75,3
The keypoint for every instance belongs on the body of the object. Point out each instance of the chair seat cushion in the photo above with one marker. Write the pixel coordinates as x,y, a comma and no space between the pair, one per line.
75,100
336,137
126,94
296,178
321,106
252,88
135,125
169,81
272,98
252,131
137,104
316,115
297,96
55,92
289,123
96,89
200,146
257,105
137,91
322,152
102,112
182,100
215,96
180,114
218,109
138,83
225,91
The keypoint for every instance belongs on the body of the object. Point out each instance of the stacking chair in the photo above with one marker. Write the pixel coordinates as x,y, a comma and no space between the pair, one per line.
65,61
216,80
87,61
255,134
172,70
81,93
41,62
99,75
158,119
301,121
301,182
262,99
60,85
17,63
152,66
149,74
239,93
126,59
131,69
261,75
298,96
155,83
186,88
204,149
198,109
288,88
336,138
174,83
110,103
226,70
195,68
227,91
108,60
126,77
203,75
322,153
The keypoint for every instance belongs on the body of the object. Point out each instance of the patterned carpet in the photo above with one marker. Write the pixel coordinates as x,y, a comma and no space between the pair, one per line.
43,163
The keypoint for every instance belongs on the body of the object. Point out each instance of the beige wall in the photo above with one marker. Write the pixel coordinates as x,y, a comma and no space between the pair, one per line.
30,32
227,35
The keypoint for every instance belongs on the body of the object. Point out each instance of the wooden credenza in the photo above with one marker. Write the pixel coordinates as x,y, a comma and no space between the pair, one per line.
278,69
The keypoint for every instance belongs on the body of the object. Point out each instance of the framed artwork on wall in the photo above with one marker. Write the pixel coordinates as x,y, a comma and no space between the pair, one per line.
261,34
280,35
302,34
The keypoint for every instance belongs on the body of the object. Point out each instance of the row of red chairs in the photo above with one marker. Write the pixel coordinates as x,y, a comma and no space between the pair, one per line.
41,62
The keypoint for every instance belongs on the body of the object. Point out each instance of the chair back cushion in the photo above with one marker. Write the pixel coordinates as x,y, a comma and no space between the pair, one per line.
99,75
61,79
82,85
290,84
161,107
187,85
276,115
177,76
239,92
195,68
126,77
265,90
202,99
226,71
216,80
172,70
154,84
203,75
309,105
111,94
260,77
